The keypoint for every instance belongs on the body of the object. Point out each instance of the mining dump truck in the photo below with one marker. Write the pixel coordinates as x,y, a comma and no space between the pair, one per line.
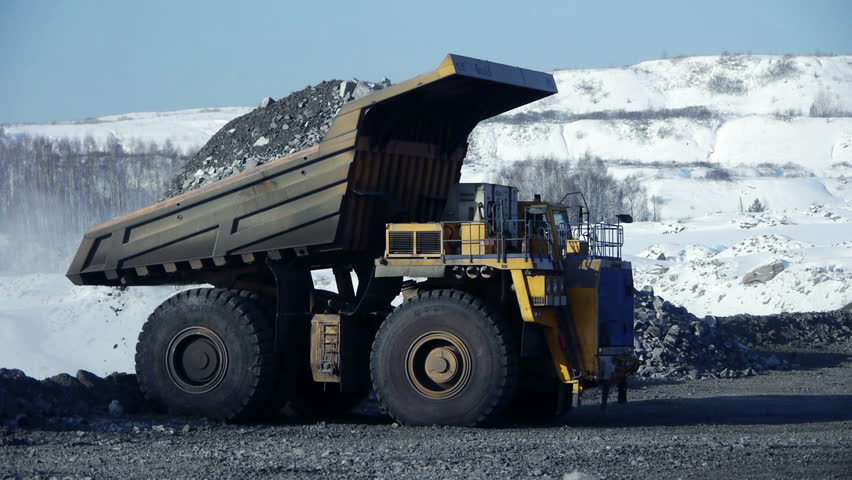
508,303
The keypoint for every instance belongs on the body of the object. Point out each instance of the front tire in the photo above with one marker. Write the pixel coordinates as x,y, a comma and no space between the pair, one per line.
444,357
208,352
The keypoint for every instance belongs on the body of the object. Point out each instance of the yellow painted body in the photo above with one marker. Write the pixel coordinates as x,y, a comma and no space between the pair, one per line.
576,247
409,240
556,288
473,238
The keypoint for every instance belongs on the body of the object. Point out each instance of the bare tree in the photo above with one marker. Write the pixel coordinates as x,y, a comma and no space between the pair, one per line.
137,146
824,105
635,199
605,195
89,145
655,201
73,186
113,145
757,206
169,149
546,177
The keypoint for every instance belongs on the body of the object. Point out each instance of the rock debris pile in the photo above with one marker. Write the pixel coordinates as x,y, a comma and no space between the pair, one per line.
794,330
675,344
274,129
672,343
28,402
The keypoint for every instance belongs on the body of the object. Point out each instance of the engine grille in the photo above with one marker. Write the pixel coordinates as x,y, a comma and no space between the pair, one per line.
414,243
401,243
429,243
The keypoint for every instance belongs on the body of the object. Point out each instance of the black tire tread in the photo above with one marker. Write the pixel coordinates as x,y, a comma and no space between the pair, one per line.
254,325
493,322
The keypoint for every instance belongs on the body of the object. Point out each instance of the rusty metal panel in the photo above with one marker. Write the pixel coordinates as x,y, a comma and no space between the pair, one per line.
326,348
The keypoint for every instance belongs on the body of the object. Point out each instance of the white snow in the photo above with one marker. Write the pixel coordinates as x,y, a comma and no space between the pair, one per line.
187,129
678,83
767,123
816,142
51,326
705,262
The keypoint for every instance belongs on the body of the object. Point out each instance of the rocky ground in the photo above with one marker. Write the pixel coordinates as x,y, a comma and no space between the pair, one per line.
748,397
784,424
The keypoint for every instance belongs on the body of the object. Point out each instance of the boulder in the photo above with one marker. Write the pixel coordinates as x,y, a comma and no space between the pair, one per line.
764,273
90,380
115,408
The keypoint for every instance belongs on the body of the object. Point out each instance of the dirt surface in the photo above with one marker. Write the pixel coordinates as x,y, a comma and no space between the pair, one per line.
782,424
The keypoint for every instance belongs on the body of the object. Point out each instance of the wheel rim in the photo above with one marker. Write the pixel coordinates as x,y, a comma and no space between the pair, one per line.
438,365
197,360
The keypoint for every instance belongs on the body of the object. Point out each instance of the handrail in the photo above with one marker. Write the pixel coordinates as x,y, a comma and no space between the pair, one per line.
604,240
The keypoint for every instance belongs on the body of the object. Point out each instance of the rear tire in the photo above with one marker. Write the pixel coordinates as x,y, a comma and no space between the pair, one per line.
444,357
208,352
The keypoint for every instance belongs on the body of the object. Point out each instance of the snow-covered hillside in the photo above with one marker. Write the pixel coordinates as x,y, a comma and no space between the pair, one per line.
186,129
773,129
705,264
731,110
674,123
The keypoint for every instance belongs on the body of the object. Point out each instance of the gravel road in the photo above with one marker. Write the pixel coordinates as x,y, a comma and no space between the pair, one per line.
783,424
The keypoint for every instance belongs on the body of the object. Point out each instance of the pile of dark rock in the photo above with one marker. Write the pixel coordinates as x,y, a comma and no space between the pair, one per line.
27,402
674,344
274,129
807,330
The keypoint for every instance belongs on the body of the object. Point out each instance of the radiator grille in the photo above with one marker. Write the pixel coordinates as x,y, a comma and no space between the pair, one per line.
401,243
428,243
414,243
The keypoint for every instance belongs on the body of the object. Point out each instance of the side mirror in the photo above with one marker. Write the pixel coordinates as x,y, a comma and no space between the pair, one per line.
624,218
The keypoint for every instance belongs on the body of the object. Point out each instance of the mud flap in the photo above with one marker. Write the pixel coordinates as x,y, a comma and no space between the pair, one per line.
615,308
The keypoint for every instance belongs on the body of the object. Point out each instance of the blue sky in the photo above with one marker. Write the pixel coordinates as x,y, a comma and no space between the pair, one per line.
64,60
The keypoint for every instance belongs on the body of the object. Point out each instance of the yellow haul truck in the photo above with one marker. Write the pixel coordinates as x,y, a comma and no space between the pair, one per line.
507,303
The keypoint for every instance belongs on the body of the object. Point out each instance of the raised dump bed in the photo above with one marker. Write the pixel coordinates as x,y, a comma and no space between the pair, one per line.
389,157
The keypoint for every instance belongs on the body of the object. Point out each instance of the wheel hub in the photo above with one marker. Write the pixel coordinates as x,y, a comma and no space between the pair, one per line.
442,364
196,360
438,365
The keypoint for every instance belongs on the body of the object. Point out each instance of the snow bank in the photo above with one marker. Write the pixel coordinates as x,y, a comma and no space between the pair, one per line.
52,326
703,266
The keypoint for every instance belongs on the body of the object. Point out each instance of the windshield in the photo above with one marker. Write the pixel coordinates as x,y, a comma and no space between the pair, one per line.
561,219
